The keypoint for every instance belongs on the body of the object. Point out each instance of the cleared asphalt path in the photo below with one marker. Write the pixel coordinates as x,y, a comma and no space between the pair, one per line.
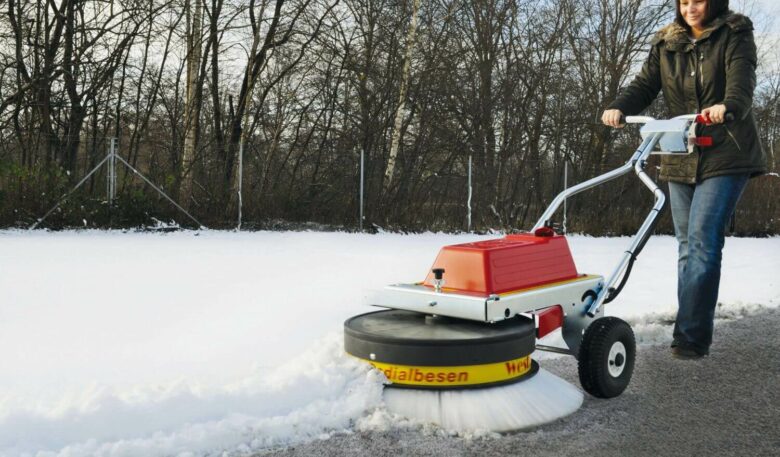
726,404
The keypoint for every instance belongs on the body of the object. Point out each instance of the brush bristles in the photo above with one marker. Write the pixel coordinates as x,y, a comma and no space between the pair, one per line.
529,403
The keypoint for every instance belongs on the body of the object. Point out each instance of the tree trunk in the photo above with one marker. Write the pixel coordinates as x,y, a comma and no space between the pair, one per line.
192,101
399,113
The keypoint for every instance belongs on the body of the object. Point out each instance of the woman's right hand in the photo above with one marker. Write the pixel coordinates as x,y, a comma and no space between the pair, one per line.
611,117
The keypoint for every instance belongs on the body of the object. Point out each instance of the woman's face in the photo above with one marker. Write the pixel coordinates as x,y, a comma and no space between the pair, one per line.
693,11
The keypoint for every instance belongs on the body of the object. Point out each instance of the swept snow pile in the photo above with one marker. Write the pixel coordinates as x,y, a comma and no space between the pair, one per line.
218,343
318,392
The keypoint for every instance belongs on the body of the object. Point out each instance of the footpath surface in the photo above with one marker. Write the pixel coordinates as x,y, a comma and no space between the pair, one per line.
725,404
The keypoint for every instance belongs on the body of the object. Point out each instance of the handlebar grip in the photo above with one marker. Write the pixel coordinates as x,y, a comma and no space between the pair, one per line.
636,119
728,117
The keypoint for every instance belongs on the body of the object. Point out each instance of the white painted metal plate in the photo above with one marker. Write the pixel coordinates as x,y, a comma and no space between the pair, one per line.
494,308
416,297
567,294
675,135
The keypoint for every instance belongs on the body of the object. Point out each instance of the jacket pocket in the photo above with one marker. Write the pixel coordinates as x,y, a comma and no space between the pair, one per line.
732,138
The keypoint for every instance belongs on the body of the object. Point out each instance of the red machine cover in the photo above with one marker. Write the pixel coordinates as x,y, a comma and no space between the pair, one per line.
505,264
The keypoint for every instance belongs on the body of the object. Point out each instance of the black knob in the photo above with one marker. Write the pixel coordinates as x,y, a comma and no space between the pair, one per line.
438,273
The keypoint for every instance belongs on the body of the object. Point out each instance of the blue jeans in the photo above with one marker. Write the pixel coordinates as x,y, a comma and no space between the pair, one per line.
700,213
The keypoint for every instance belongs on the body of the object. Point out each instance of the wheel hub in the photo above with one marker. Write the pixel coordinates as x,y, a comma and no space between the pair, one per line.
616,359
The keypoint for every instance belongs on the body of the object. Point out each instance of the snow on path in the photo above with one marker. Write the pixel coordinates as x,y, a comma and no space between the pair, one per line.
207,342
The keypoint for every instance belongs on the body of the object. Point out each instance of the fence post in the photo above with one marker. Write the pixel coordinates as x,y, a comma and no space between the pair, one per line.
565,186
468,201
111,171
108,170
240,180
362,168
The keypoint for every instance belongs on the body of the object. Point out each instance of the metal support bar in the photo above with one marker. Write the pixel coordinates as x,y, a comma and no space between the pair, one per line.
554,349
649,222
65,197
160,191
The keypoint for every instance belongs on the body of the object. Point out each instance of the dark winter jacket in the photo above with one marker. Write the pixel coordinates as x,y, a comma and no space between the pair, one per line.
719,67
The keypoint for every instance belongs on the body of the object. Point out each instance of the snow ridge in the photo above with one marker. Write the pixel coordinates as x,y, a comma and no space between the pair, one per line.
320,392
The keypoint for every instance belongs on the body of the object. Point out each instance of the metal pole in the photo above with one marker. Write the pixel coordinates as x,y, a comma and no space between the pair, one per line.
112,167
468,201
113,172
565,186
240,181
111,177
362,168
108,170
774,138
65,197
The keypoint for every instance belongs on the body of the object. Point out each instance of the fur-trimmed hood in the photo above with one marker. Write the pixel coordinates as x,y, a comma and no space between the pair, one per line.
675,33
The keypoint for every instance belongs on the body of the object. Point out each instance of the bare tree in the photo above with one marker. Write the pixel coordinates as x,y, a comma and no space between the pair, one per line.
306,86
411,36
194,14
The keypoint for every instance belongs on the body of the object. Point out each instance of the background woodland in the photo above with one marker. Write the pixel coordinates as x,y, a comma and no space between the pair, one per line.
302,87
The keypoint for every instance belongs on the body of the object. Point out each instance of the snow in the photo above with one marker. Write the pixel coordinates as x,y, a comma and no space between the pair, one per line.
221,343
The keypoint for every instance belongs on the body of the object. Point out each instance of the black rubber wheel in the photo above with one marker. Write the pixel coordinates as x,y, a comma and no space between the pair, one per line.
606,357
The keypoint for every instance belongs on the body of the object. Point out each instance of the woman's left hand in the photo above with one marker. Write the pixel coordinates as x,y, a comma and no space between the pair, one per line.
716,113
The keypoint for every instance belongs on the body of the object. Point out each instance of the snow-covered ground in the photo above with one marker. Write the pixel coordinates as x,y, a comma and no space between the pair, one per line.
217,343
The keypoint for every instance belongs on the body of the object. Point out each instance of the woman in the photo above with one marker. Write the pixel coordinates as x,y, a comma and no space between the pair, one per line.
705,61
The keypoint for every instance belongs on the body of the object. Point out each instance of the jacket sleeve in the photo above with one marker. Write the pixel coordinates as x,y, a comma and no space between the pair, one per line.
643,89
740,72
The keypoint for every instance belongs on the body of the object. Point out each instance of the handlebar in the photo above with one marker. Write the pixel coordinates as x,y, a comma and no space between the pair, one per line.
729,117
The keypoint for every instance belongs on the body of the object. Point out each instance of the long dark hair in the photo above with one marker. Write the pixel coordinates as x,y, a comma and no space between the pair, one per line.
714,9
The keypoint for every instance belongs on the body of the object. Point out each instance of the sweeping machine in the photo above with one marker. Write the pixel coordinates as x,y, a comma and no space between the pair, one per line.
475,320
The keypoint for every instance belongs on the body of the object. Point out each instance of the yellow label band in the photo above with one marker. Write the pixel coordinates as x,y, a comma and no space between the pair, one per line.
454,376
